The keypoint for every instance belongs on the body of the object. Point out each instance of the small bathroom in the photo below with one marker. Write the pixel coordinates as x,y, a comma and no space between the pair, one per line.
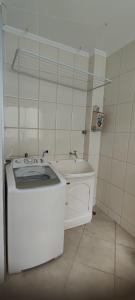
67,130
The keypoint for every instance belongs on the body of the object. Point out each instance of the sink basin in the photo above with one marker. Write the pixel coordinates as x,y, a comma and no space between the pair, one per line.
73,168
80,179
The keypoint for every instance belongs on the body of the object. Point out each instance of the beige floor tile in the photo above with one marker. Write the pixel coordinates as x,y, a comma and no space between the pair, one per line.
123,286
100,215
87,281
41,281
124,238
72,239
49,277
58,270
125,262
101,228
96,253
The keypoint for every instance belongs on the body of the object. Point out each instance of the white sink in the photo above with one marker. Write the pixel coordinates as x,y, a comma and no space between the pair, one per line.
73,168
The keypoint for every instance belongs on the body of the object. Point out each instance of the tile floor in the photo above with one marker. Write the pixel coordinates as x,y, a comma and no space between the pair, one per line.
98,260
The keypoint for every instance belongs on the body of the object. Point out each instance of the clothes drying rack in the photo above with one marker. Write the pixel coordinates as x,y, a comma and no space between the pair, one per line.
32,64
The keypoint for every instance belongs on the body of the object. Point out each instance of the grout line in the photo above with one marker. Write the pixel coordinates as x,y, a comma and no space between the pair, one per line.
115,262
118,187
115,159
45,101
42,129
91,235
73,259
125,246
97,269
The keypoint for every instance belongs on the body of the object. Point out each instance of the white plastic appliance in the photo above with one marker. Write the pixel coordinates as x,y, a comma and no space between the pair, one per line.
35,213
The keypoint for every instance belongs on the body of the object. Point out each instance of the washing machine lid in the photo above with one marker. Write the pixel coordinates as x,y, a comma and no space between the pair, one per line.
34,176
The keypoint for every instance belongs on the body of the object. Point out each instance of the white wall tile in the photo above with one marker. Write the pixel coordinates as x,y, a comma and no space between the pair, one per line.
10,83
47,91
28,44
109,118
48,51
28,113
27,62
63,116
62,142
113,64
28,141
11,44
64,95
130,179
28,87
47,115
11,142
47,142
61,156
131,150
121,95
94,161
127,58
123,117
10,112
133,118
79,98
103,207
66,57
114,216
81,62
100,65
107,144
95,138
115,200
105,168
45,66
78,118
120,146
126,89
98,96
106,193
127,226
118,173
128,211
101,190
88,118
77,141
111,92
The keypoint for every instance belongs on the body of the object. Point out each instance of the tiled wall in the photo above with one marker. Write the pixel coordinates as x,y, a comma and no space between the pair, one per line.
41,115
92,139
116,182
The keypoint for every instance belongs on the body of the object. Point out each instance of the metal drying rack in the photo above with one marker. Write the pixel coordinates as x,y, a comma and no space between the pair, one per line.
32,64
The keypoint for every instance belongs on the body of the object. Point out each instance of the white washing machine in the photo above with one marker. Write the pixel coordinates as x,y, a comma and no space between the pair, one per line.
35,213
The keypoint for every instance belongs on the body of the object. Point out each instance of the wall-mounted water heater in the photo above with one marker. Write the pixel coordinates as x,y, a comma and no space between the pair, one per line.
97,119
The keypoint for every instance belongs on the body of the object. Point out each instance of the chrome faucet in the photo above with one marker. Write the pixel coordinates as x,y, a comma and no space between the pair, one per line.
74,153
44,152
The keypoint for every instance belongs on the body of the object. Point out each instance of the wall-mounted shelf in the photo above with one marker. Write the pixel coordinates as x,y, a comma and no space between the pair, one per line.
32,64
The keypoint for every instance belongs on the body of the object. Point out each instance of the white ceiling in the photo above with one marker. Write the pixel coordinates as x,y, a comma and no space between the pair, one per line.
103,24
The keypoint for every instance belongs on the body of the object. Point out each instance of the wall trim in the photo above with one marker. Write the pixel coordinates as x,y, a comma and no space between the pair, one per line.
26,34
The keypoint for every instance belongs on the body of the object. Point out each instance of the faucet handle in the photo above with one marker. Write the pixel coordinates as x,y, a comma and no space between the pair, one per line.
44,152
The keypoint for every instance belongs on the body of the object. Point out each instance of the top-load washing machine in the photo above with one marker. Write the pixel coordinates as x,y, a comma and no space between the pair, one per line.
35,213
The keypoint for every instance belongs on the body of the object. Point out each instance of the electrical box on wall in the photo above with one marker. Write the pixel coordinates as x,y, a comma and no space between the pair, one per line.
97,119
